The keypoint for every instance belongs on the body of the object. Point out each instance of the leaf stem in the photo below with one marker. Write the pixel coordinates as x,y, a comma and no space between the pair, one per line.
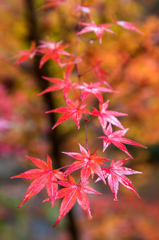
97,148
86,72
63,167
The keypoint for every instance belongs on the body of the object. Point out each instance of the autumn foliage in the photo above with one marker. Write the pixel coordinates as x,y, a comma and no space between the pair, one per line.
78,109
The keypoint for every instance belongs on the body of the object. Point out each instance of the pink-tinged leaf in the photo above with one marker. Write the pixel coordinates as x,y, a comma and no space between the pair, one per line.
62,119
88,162
44,59
106,116
59,110
45,176
130,142
46,200
51,89
36,186
67,203
129,26
39,163
31,174
114,174
85,172
49,162
22,58
117,140
83,201
52,188
90,190
83,150
26,54
72,192
97,169
52,50
76,117
122,147
78,156
74,167
63,192
73,110
97,29
65,84
95,89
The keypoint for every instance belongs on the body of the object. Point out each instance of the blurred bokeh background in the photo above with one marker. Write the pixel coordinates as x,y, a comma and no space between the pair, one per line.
132,60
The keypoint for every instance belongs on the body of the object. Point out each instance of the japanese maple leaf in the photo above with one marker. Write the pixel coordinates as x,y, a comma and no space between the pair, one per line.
52,50
95,89
65,84
88,162
52,3
26,54
115,174
45,175
71,193
128,26
117,139
73,110
105,116
98,30
100,73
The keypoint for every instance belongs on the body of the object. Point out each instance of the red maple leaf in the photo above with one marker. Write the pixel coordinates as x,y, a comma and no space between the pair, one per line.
88,162
73,110
45,175
100,73
71,193
117,139
105,116
95,89
115,174
52,3
26,54
65,84
97,29
52,50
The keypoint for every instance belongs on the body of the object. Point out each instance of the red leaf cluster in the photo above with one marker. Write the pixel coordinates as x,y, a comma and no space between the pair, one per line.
88,163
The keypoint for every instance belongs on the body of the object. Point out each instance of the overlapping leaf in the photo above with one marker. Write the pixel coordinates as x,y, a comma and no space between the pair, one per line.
65,84
26,54
52,50
90,164
97,29
95,89
117,139
44,176
106,116
115,174
73,110
71,193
